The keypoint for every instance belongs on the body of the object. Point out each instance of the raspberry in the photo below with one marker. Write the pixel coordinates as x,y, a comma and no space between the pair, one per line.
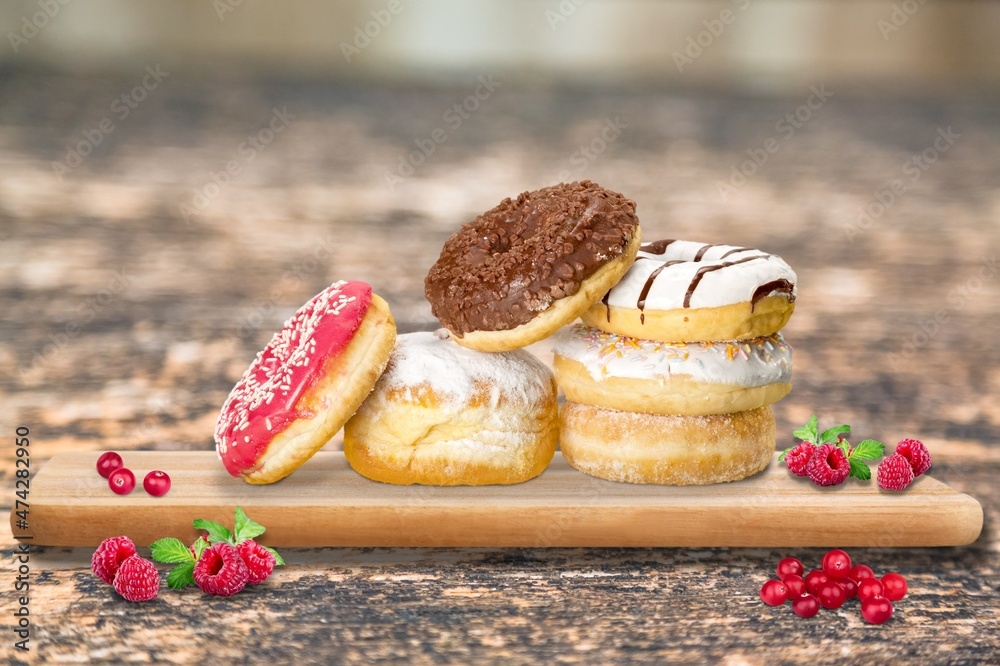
918,455
894,473
828,466
137,579
110,555
258,559
798,458
221,571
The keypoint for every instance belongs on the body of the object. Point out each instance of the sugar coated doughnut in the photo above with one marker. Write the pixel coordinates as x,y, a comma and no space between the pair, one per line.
607,370
674,450
680,291
302,388
517,273
445,415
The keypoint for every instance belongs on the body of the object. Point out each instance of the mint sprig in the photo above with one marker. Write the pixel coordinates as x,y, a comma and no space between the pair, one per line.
216,532
173,551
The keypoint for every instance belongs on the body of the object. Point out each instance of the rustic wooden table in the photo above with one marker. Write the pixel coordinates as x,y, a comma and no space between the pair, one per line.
147,255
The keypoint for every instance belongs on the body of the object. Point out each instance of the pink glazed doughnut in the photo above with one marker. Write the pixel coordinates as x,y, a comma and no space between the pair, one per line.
309,380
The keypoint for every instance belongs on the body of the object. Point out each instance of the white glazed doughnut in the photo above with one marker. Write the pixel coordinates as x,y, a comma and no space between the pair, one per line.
630,374
681,291
442,414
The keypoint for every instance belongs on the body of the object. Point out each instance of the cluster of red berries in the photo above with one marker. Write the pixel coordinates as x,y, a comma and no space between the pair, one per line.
828,459
898,471
116,563
122,481
831,587
221,565
224,569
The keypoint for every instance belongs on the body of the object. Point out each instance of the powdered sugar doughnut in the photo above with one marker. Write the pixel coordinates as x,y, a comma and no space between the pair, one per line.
681,291
599,368
302,388
445,415
667,449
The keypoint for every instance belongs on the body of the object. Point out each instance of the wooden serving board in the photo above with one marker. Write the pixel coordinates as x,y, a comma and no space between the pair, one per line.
325,503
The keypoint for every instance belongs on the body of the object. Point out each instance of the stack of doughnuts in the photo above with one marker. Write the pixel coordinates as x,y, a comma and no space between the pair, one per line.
670,378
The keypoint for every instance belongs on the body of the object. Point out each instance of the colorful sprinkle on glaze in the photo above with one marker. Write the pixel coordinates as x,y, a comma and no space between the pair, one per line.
264,402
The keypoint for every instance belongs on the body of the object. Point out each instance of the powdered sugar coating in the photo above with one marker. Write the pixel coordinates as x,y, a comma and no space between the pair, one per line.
748,363
265,400
669,287
456,373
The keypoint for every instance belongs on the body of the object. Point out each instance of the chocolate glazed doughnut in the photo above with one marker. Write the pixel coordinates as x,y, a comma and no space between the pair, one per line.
520,271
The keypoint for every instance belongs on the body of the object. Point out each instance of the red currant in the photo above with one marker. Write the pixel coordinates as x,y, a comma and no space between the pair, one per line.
156,483
831,595
837,563
816,579
805,606
893,586
790,566
774,593
795,585
850,587
876,610
860,571
108,462
122,481
869,588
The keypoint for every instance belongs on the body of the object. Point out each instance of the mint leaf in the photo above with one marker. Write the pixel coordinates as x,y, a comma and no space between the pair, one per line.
844,446
181,576
170,551
808,432
869,449
216,532
246,528
200,545
859,469
830,436
785,453
278,559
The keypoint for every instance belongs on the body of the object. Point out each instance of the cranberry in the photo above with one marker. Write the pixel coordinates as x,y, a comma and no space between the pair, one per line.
774,593
815,579
805,606
869,588
156,483
893,586
790,566
837,563
860,571
850,587
831,595
876,610
122,481
108,462
795,585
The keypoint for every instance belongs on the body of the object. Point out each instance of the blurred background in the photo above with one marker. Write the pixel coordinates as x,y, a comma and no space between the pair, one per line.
177,177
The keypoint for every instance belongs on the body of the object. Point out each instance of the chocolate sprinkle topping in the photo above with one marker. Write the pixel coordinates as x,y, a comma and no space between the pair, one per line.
511,263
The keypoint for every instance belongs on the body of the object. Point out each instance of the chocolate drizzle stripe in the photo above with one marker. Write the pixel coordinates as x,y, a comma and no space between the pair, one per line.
703,250
607,304
641,303
735,250
783,286
696,280
656,247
